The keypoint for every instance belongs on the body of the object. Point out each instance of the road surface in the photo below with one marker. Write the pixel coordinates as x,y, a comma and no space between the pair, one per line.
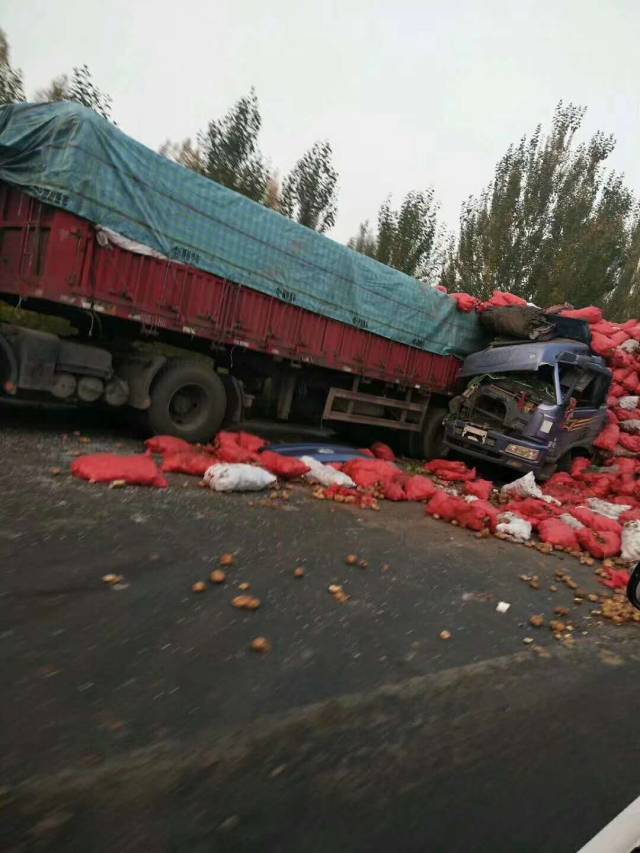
138,718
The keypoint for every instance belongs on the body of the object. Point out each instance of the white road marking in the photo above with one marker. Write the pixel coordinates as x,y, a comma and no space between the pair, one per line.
622,835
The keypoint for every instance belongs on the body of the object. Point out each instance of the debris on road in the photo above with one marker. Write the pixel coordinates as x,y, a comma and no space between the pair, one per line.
198,586
298,572
338,593
590,513
112,579
245,602
217,576
502,606
537,620
445,635
261,644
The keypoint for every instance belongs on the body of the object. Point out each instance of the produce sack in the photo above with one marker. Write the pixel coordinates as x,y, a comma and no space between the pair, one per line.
138,470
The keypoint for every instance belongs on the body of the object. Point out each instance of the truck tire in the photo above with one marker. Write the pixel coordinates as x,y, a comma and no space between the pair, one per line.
429,444
188,400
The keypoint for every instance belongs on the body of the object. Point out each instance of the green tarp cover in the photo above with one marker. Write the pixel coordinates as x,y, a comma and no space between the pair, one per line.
68,156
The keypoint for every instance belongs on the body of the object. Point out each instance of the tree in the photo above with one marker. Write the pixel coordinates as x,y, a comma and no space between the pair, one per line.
408,238
80,88
230,152
553,225
57,90
272,195
365,240
11,88
309,191
186,153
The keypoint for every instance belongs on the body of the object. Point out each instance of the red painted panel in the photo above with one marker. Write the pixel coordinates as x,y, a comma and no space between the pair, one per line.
54,255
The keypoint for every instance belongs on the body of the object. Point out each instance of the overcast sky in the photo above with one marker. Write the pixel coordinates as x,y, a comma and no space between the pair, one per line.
410,93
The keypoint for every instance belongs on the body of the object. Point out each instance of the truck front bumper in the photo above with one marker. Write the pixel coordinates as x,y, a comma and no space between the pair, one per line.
493,446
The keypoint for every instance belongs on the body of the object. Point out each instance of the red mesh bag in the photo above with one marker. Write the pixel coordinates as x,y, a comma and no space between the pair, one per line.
383,451
445,506
579,465
249,441
419,488
477,515
227,449
619,337
604,327
451,471
627,414
502,299
286,467
626,485
624,500
621,373
601,344
608,438
367,473
188,462
394,492
626,465
558,534
465,302
597,485
590,314
621,359
533,510
231,452
167,444
630,515
139,470
480,488
600,544
593,521
628,441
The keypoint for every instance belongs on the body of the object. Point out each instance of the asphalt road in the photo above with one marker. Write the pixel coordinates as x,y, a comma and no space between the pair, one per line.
138,718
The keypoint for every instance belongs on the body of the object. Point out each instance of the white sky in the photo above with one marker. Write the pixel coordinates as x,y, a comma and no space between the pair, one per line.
410,93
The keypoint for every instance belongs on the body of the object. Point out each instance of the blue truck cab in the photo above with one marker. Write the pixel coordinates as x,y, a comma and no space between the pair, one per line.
529,406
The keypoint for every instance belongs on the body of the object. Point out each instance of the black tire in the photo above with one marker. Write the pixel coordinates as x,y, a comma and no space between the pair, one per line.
633,587
429,444
188,400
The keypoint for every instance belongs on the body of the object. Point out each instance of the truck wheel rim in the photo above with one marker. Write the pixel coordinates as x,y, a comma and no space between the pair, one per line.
187,405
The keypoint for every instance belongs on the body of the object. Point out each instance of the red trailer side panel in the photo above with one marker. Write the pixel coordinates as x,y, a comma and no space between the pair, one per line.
49,254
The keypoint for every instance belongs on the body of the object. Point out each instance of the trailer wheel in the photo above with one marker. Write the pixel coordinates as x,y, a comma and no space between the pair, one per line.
187,400
429,444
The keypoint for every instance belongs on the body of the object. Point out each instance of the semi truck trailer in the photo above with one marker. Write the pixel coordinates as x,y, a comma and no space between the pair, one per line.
193,307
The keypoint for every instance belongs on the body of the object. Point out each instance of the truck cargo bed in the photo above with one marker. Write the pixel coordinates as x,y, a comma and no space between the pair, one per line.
50,255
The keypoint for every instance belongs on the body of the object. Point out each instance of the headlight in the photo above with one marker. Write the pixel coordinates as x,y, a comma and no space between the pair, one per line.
523,452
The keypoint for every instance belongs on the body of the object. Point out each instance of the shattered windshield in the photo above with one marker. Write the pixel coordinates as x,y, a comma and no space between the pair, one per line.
539,385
